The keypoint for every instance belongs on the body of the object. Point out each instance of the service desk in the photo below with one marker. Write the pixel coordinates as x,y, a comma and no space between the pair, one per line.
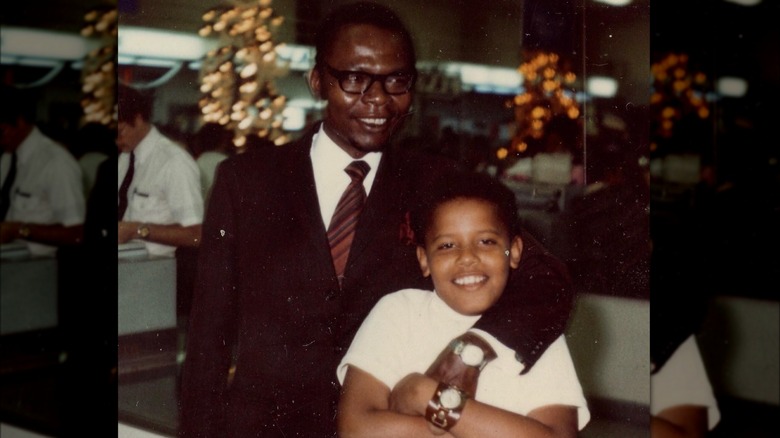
28,290
147,325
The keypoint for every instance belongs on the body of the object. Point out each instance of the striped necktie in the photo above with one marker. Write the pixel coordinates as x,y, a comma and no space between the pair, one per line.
342,225
124,187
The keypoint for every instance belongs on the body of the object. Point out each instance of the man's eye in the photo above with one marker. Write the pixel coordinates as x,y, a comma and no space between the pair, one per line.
397,79
356,78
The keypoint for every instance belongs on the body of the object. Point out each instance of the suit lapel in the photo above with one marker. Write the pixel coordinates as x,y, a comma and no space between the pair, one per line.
304,203
382,205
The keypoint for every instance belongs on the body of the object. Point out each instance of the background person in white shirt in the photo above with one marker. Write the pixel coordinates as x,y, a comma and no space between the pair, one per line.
682,402
45,205
164,199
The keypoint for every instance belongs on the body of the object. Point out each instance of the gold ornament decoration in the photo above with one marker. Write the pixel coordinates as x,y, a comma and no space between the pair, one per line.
548,92
677,93
237,80
98,74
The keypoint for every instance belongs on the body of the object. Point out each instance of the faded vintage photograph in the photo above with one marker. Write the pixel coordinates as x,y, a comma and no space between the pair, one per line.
345,218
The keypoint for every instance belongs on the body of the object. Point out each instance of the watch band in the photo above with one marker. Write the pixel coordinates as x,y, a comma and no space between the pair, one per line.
446,406
473,350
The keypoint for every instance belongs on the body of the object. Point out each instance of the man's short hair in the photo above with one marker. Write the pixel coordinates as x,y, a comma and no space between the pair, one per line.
360,13
17,103
132,103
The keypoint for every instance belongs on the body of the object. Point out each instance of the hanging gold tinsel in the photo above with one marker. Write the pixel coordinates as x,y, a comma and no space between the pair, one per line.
238,79
98,75
677,92
547,93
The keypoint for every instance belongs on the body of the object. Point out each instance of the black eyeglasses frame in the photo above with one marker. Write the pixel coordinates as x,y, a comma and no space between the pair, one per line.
341,75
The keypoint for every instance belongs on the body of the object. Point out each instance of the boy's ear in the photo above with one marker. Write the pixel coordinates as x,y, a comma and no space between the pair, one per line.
422,257
515,252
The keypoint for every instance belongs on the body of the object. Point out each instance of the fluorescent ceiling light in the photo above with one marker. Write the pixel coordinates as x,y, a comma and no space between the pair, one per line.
161,63
484,78
34,43
152,43
147,62
729,86
601,86
744,2
614,2
145,43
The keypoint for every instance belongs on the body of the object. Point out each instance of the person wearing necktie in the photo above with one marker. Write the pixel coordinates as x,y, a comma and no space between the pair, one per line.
278,297
159,198
41,198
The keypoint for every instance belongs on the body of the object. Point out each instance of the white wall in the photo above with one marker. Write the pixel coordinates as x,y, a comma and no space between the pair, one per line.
740,343
609,338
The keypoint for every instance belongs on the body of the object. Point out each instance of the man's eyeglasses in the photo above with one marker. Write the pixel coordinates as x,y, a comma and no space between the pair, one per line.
358,82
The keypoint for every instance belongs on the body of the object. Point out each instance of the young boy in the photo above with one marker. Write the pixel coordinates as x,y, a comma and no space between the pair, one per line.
468,243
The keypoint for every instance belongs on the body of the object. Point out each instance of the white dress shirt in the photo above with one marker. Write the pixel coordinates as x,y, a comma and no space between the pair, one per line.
329,161
48,187
166,187
406,331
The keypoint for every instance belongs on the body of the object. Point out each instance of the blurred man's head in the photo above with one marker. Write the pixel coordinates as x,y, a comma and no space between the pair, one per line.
17,117
135,112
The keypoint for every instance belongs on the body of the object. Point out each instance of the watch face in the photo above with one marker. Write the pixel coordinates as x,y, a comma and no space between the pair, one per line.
450,398
472,355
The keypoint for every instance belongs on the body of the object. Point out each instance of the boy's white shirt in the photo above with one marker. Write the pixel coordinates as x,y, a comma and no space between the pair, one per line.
407,330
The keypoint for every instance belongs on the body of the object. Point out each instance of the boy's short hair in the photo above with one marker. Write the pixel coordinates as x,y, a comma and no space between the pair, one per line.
468,185
363,12
133,102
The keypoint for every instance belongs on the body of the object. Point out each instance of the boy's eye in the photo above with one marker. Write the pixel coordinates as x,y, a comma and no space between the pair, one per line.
447,245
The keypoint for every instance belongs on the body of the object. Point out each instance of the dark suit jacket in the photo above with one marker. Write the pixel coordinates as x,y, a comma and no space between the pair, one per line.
267,300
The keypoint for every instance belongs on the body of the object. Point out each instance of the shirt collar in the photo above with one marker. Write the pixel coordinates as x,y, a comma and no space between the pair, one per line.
146,146
444,310
327,157
28,146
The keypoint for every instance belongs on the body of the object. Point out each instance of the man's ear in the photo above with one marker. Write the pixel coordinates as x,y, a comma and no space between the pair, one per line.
136,121
422,257
515,252
314,79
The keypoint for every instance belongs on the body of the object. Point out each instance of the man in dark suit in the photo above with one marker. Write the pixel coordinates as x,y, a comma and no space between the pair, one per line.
271,318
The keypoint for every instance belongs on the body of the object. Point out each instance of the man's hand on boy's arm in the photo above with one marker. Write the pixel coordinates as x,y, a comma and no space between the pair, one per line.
461,361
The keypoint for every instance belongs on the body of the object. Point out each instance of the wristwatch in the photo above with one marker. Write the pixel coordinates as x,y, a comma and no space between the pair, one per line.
143,231
24,231
446,405
473,350
461,362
